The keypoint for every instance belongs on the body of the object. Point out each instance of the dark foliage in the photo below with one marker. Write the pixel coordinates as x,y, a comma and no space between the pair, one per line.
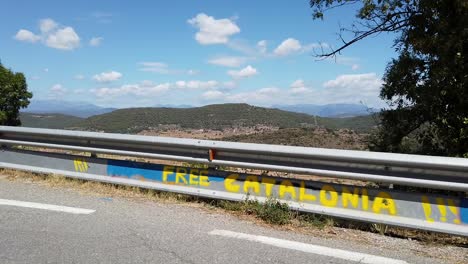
14,95
426,86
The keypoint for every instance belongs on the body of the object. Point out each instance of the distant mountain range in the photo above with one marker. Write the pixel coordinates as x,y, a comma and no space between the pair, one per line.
219,116
329,110
84,110
79,109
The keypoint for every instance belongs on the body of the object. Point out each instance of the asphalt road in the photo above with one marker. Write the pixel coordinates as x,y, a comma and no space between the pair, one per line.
105,230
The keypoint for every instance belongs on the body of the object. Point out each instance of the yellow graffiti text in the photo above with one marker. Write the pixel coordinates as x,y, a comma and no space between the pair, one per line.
287,187
80,165
383,201
204,178
167,171
303,196
268,183
229,183
441,213
251,185
427,209
186,176
330,200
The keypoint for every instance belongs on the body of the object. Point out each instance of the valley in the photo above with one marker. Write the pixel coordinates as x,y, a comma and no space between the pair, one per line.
230,122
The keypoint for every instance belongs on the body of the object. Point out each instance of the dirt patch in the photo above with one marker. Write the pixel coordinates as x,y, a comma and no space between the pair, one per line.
207,133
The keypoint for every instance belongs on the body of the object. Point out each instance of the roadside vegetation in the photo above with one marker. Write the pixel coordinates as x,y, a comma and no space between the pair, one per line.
14,95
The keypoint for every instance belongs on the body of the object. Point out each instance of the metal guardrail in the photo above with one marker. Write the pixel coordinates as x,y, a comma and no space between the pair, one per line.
424,210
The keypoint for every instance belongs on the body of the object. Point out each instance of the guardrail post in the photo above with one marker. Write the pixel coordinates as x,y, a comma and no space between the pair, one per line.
211,154
211,157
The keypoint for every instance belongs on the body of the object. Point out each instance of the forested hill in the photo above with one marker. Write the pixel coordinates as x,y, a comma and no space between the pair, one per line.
56,121
218,116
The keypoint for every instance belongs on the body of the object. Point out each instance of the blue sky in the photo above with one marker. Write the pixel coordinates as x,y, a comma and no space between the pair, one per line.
124,53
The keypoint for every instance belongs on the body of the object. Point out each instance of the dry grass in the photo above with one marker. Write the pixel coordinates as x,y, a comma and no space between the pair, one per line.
271,213
94,188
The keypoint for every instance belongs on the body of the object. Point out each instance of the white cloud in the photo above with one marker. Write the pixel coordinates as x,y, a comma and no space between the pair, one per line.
287,47
293,46
107,76
156,67
246,72
260,49
213,95
299,88
163,68
213,31
79,77
355,67
52,35
350,88
354,81
95,41
298,83
299,91
195,84
140,89
268,91
228,61
354,88
229,84
148,88
27,36
264,96
46,25
64,39
146,83
262,46
57,91
57,88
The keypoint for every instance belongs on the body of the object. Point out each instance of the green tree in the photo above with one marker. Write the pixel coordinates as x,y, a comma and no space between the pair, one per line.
426,86
14,95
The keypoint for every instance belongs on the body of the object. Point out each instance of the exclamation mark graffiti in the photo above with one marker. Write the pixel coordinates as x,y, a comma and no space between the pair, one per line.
442,209
453,209
427,208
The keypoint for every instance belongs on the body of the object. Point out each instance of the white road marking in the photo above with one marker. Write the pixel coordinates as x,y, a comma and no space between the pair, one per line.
309,248
51,207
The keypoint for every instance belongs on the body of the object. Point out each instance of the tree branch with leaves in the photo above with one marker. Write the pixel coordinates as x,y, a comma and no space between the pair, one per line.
14,95
426,86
